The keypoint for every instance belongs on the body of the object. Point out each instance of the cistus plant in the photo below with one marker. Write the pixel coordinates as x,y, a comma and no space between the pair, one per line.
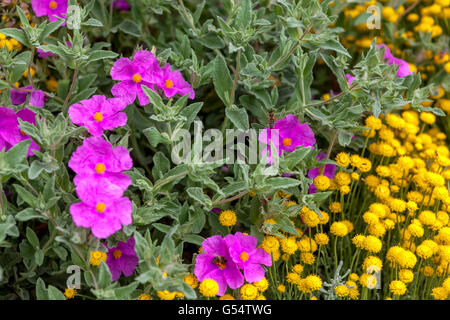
348,198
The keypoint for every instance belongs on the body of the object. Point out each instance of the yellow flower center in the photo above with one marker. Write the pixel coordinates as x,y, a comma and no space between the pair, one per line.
117,254
287,142
137,78
169,84
100,168
244,256
53,5
100,207
98,116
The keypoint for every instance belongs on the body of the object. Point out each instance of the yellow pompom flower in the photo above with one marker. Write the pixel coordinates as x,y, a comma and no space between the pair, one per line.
144,296
227,218
342,291
406,275
372,244
427,117
358,241
208,288
371,264
342,159
70,293
191,280
335,207
288,245
249,292
298,268
281,288
96,257
321,239
313,282
261,285
342,178
307,258
293,278
227,297
166,295
339,229
424,251
322,182
397,287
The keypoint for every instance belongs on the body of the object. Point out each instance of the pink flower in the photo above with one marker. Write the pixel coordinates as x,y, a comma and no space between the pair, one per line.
350,78
328,171
403,70
216,263
10,133
103,209
142,70
172,83
244,253
121,5
37,97
122,259
98,114
97,159
54,9
291,134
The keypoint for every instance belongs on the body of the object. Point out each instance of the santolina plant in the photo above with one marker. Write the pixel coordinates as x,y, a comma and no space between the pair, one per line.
340,131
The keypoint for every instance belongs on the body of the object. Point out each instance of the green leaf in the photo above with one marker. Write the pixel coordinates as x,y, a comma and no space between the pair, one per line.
32,238
104,276
282,183
18,153
197,194
27,214
17,34
41,291
155,137
55,294
92,23
193,238
130,27
222,80
26,196
238,116
244,16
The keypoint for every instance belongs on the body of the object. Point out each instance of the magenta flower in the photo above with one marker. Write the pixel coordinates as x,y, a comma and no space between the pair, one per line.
10,133
9,129
98,114
142,70
122,259
172,83
44,54
328,171
37,97
244,253
216,263
291,134
350,78
54,9
103,209
121,5
403,70
97,159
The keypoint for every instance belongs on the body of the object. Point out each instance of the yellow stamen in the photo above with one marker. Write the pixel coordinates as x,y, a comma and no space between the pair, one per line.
100,168
169,84
53,5
98,116
137,78
117,254
100,207
287,142
244,256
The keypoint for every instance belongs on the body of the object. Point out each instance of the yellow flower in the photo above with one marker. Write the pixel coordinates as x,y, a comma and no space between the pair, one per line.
342,159
298,268
342,291
208,288
70,293
191,280
342,178
427,117
358,241
249,292
96,257
321,239
440,293
270,244
372,244
406,275
166,295
293,278
397,287
335,207
281,288
144,296
313,282
339,229
322,182
227,297
307,258
227,218
261,285
288,245
424,251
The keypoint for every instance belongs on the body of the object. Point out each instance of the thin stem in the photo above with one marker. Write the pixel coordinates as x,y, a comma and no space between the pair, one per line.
30,78
236,77
240,195
409,9
291,51
72,87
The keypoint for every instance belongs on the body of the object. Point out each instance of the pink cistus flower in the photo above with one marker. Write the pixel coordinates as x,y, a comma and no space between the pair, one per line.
350,78
10,133
403,70
37,97
122,259
244,253
121,5
329,171
54,9
97,158
291,134
172,83
216,263
102,208
142,70
99,113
